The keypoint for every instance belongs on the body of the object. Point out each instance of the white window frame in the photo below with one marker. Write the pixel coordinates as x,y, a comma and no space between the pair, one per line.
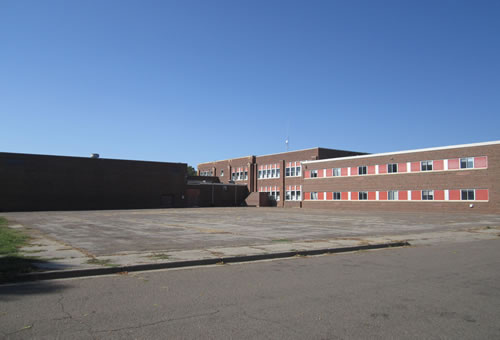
426,163
467,160
336,195
427,195
337,172
314,173
361,195
314,196
364,172
390,168
394,194
468,192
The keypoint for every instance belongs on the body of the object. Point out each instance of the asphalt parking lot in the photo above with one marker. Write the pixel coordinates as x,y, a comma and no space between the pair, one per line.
121,231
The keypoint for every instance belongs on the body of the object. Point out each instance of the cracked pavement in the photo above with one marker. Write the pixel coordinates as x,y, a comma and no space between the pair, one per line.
89,239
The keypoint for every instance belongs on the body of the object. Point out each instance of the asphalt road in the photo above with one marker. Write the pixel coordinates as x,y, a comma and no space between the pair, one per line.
446,291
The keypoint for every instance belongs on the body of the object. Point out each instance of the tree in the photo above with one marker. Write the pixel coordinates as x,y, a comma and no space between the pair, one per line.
191,171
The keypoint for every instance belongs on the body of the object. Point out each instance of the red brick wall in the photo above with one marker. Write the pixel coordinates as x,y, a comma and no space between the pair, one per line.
452,180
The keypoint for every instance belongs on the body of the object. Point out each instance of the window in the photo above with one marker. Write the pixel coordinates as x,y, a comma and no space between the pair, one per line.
288,195
362,170
314,173
314,196
273,173
259,174
426,165
278,173
293,169
392,195
336,172
392,168
362,195
336,196
292,195
298,196
222,173
268,173
427,195
277,195
468,195
246,174
467,163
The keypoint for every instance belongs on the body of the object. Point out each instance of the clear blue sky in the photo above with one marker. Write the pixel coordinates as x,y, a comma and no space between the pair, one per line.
195,81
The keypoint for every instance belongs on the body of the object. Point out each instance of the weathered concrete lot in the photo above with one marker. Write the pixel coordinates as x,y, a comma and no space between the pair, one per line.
103,233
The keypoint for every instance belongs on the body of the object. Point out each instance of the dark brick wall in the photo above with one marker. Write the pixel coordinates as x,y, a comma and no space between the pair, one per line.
39,182
215,195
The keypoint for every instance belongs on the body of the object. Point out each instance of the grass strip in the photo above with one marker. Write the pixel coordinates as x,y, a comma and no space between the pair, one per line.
11,262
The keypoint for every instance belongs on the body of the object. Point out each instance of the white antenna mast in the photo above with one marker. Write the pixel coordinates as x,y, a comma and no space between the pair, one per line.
287,140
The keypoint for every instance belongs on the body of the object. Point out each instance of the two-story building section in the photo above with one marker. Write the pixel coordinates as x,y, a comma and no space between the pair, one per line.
452,178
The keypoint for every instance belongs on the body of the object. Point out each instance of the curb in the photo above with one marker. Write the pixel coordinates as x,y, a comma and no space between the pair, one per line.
51,275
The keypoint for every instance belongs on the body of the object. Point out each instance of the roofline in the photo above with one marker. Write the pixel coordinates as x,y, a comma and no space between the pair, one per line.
83,157
278,153
403,152
270,154
225,160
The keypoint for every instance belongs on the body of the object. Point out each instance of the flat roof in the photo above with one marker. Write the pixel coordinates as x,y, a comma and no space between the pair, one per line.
277,153
403,152
82,157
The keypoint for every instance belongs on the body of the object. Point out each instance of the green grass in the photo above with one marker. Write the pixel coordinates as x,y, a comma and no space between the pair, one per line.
284,240
159,256
11,262
106,262
10,239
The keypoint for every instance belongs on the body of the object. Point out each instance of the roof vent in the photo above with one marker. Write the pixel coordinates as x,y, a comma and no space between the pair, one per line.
94,155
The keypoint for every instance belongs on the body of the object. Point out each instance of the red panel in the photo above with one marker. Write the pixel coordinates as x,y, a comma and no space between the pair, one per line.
372,196
277,166
481,162
354,171
343,172
307,174
415,166
482,194
329,196
321,195
403,195
438,165
344,196
371,169
307,195
382,169
402,167
454,163
354,196
329,172
454,195
382,195
416,195
438,194
321,173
